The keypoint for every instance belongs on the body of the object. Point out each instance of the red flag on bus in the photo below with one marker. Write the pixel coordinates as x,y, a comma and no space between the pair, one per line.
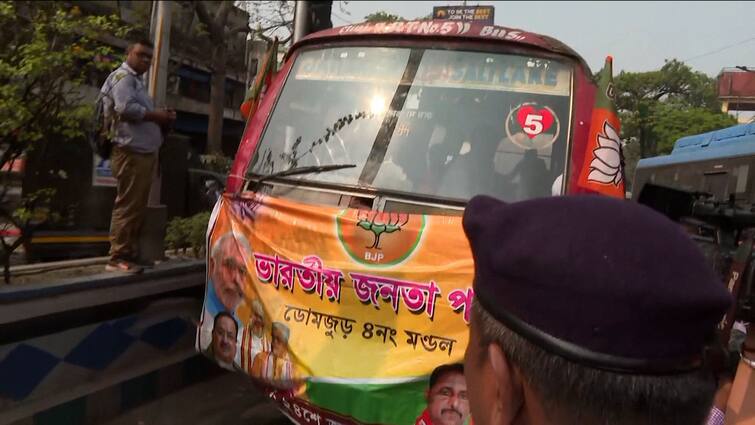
603,168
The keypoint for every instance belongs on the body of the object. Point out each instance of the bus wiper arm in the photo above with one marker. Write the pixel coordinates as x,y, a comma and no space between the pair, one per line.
304,170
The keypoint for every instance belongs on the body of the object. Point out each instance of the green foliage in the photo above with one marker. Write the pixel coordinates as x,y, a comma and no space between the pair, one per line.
666,123
216,163
177,234
675,82
658,107
49,49
34,207
671,122
382,16
631,152
184,233
655,106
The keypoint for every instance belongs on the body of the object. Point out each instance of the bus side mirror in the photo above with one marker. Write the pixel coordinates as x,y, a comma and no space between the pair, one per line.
210,185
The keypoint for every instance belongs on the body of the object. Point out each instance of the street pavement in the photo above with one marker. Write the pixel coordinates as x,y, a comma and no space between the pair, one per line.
227,399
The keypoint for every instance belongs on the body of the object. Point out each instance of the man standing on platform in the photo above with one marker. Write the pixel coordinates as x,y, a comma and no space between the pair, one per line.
138,136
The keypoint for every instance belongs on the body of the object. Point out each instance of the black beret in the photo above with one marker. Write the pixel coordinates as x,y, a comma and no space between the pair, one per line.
603,282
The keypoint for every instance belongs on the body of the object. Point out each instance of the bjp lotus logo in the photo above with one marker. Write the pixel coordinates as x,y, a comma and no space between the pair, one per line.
379,238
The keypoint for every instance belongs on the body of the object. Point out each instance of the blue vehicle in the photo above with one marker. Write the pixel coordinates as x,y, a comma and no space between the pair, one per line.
719,163
707,184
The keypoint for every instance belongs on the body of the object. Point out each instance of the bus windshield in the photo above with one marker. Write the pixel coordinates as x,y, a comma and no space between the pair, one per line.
441,123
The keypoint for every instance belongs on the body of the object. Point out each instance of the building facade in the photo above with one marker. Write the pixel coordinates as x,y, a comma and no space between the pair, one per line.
189,69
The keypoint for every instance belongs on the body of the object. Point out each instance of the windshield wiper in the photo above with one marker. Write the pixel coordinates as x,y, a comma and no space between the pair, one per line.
303,170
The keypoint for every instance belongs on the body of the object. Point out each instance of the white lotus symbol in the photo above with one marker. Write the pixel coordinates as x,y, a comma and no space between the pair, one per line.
606,162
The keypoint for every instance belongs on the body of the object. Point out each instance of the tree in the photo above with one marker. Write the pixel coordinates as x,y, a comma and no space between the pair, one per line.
658,107
273,19
640,93
382,16
670,122
48,51
218,28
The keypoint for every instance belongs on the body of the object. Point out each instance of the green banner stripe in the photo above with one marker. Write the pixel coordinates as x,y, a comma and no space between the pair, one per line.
398,404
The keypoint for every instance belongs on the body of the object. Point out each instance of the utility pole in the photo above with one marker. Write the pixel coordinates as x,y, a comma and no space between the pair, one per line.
311,16
160,34
152,233
158,74
302,19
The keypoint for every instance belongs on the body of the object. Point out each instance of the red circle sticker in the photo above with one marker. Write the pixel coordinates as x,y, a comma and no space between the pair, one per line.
531,126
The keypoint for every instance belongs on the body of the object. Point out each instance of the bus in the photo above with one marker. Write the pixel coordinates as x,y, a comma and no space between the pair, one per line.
339,276
716,163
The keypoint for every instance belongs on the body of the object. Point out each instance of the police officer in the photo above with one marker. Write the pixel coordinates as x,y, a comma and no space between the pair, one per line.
588,310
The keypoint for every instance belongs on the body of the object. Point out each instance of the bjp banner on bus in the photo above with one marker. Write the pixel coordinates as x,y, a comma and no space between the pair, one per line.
603,168
341,315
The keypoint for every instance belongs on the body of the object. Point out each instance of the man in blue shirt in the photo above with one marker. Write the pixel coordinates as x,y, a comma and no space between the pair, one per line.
138,136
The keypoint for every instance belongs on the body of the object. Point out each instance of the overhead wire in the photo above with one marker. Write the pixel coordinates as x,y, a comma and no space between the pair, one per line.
720,49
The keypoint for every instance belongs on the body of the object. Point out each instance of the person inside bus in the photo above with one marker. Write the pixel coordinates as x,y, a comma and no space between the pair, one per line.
391,176
587,310
530,177
433,162
471,170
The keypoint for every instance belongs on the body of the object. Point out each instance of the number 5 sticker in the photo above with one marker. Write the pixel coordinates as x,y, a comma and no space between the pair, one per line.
531,126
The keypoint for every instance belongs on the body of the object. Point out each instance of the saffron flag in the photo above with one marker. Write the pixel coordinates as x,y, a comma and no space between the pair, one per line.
263,79
603,168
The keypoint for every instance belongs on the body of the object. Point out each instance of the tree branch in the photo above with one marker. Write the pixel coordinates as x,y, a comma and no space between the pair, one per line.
203,14
10,218
261,29
221,17
7,180
265,38
661,93
241,28
45,102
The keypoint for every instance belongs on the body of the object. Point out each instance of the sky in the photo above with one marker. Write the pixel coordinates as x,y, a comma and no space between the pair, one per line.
708,36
